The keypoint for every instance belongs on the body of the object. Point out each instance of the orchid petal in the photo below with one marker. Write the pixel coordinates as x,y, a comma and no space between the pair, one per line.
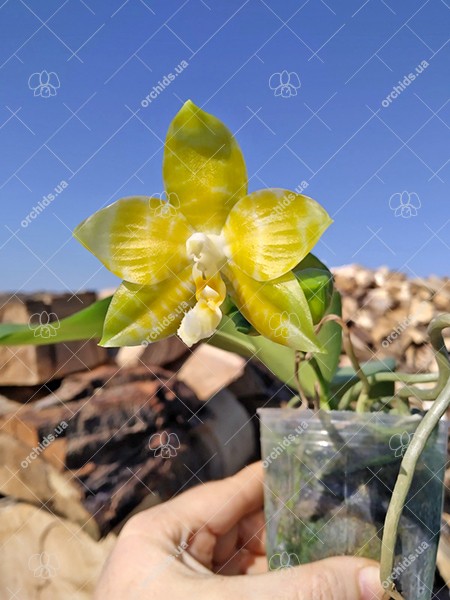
34,81
34,562
260,301
395,201
404,198
174,442
44,78
147,313
135,243
275,81
294,80
284,78
53,80
269,232
414,200
204,167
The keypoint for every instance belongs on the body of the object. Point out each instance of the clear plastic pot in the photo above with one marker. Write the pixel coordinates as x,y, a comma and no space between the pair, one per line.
329,478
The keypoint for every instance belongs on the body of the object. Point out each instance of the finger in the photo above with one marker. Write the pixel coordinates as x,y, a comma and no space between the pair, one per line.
248,534
341,578
243,563
226,546
252,533
216,507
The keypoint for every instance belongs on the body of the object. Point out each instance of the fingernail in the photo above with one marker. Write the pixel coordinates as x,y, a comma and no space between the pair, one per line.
369,583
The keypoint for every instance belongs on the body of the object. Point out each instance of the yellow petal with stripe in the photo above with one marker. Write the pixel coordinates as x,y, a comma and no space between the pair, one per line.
135,241
270,231
147,313
277,309
203,165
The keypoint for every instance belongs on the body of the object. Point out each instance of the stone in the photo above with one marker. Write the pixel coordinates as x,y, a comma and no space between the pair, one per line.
383,303
159,353
210,369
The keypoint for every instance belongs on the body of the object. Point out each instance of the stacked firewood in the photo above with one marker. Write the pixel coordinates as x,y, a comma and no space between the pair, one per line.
389,313
88,436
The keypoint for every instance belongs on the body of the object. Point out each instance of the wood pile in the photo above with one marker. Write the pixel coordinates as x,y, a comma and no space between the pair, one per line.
109,416
32,365
86,433
389,312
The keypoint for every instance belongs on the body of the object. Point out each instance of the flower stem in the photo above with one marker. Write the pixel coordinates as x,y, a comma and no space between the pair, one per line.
403,483
299,356
441,355
324,395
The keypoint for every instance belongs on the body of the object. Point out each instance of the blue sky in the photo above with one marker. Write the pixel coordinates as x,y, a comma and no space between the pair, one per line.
335,133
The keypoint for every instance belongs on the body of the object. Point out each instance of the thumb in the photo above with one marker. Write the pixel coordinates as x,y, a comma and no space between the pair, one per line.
340,578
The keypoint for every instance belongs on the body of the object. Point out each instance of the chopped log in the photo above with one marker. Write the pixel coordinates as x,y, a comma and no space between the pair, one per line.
381,303
33,365
102,422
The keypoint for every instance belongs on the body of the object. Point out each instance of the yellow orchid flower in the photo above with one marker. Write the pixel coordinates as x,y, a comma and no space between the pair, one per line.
179,260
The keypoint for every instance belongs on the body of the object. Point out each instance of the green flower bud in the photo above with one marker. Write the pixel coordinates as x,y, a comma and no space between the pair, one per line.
317,285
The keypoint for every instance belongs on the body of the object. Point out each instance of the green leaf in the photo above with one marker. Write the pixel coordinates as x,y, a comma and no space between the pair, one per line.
281,359
230,309
83,325
310,262
330,337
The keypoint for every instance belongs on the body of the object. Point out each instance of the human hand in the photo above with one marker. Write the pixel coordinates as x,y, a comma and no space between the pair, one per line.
209,544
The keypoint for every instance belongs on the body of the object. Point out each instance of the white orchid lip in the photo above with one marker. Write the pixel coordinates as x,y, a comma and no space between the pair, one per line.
207,252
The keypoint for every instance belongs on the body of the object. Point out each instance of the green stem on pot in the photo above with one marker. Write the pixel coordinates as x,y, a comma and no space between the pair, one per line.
403,483
324,395
359,390
363,402
299,356
350,396
401,406
294,401
349,349
352,393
